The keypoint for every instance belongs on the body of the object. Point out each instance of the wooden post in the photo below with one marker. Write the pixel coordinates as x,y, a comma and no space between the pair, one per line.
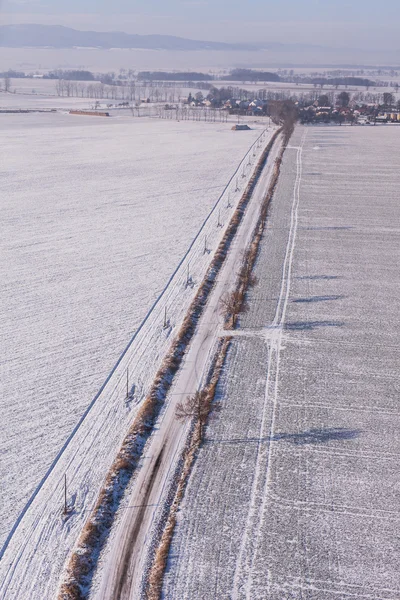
205,244
165,317
127,382
65,495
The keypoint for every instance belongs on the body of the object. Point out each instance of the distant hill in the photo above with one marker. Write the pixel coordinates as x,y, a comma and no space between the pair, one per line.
57,36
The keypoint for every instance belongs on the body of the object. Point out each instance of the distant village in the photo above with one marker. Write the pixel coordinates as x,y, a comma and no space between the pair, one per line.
341,108
317,97
346,109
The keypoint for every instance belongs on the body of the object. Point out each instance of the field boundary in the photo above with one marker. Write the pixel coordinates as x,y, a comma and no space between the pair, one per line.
154,577
246,278
121,358
75,584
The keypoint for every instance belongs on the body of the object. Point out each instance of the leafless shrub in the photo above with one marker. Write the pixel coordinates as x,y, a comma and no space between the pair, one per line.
232,304
253,280
197,407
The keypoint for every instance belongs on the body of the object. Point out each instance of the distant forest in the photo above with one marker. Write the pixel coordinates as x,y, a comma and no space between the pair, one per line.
251,75
359,81
181,76
238,75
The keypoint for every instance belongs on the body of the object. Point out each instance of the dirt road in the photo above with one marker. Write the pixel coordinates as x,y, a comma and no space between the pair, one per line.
127,555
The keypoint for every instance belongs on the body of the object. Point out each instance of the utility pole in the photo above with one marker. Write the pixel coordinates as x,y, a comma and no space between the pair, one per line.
219,224
127,382
165,319
65,512
205,244
188,274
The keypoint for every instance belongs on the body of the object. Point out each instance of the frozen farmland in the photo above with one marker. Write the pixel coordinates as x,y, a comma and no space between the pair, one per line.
295,492
96,217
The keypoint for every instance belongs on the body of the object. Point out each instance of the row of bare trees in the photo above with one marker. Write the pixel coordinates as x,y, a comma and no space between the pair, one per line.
131,92
183,113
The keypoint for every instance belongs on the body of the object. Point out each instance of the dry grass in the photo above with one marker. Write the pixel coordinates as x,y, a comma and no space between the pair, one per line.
81,563
233,304
236,303
157,570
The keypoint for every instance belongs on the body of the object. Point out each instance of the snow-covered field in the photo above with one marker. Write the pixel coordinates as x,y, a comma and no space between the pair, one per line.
295,492
32,86
41,94
96,216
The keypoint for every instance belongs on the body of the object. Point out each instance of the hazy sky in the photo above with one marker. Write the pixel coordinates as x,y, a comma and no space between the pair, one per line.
341,23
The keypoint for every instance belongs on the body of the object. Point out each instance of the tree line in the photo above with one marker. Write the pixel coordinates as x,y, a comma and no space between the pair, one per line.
165,76
132,92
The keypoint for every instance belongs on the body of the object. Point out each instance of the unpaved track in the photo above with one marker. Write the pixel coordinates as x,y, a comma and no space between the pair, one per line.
127,554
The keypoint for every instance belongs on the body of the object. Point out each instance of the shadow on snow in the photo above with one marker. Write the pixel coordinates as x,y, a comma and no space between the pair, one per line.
316,277
310,325
317,436
311,437
317,299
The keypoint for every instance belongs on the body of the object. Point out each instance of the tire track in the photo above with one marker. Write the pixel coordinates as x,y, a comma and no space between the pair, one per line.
242,582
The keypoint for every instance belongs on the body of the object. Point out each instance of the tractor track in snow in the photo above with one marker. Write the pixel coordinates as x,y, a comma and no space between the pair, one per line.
247,554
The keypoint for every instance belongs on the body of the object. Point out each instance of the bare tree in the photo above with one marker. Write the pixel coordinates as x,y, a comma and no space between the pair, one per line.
132,88
246,276
60,87
68,87
323,100
388,99
232,304
81,88
343,99
194,407
7,83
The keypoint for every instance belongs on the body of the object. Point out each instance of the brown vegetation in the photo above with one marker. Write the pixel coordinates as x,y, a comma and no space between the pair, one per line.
199,407
232,304
91,113
235,303
80,565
